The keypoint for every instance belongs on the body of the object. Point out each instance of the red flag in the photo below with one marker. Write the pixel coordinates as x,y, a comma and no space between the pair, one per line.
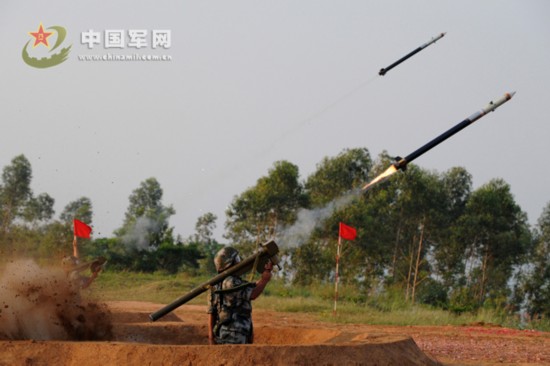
81,229
347,232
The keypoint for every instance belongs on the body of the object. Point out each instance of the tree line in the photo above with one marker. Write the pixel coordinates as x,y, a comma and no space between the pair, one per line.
428,237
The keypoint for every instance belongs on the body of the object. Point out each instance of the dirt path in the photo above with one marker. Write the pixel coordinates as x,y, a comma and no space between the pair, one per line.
281,339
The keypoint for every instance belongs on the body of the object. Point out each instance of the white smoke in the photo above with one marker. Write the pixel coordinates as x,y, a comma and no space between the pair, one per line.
309,219
138,235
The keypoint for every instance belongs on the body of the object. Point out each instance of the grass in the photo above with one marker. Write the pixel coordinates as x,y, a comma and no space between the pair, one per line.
152,287
317,300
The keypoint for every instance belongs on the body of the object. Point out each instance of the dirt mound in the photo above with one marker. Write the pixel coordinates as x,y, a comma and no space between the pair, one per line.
180,338
396,352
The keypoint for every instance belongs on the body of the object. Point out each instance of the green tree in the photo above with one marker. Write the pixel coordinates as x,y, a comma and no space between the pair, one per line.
418,203
457,183
39,209
448,253
15,191
203,238
335,176
313,261
146,219
204,228
80,209
254,216
496,236
534,283
54,241
172,258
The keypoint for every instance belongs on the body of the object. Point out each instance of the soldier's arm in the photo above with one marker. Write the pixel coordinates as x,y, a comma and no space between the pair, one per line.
212,316
262,282
75,247
87,281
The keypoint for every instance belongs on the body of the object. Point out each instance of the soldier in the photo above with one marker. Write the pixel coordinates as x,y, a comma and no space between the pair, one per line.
72,267
229,302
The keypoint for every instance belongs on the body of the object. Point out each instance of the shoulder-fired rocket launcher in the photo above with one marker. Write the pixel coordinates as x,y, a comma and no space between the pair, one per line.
266,252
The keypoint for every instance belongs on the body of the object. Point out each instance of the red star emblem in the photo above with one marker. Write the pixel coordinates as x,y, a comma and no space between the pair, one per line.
40,36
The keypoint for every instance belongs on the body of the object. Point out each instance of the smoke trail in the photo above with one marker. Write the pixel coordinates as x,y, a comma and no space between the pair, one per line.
309,219
138,235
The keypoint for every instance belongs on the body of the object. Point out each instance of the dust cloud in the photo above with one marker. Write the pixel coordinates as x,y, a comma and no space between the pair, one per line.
40,304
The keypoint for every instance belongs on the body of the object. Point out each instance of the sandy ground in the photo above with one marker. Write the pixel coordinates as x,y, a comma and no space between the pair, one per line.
180,338
44,321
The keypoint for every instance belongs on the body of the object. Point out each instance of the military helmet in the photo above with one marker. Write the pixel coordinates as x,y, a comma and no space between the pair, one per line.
225,258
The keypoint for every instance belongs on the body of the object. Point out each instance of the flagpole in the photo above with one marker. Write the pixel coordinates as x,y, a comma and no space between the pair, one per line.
336,275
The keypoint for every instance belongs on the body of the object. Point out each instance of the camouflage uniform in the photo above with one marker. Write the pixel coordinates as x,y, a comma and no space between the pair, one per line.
229,302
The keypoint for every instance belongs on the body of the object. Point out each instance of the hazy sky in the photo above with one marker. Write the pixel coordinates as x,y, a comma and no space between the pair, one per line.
253,82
